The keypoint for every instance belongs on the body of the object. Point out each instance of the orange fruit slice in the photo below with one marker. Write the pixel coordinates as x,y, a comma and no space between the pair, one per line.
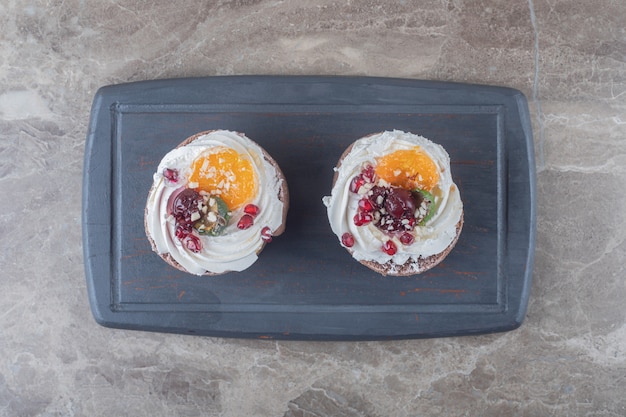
226,173
410,169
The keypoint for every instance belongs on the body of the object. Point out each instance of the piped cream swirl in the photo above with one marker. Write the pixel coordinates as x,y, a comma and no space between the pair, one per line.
235,249
430,239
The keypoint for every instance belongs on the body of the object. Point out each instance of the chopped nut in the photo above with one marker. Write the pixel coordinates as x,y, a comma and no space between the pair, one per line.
365,189
212,217
195,216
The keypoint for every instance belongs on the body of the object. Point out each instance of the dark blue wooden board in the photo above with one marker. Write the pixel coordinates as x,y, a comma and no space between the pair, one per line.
305,286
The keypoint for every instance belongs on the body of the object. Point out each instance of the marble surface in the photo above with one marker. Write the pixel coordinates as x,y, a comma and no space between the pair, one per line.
567,359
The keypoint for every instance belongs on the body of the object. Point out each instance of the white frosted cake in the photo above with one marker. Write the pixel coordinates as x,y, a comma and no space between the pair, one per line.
394,205
216,200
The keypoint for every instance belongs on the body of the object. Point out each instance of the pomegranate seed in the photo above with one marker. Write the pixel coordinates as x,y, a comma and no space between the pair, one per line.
407,238
193,243
182,231
266,234
170,174
362,218
369,174
245,222
347,239
390,248
365,205
356,183
251,209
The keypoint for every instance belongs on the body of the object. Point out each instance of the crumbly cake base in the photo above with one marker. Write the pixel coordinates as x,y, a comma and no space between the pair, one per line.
412,267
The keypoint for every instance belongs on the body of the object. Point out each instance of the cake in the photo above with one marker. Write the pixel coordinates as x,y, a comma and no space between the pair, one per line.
394,205
216,200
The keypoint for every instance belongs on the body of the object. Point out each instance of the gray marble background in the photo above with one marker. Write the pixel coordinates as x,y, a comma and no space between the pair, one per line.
567,359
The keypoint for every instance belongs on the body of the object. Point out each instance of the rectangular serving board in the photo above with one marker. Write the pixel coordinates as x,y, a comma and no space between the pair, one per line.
305,285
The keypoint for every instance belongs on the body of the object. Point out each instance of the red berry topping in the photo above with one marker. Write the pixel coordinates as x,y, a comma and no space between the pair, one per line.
390,248
378,195
251,209
366,205
356,183
183,207
245,222
400,203
362,218
395,208
266,234
185,203
347,239
369,174
407,238
170,174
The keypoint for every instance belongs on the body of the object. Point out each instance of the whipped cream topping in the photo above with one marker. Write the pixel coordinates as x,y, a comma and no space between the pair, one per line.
430,239
235,249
